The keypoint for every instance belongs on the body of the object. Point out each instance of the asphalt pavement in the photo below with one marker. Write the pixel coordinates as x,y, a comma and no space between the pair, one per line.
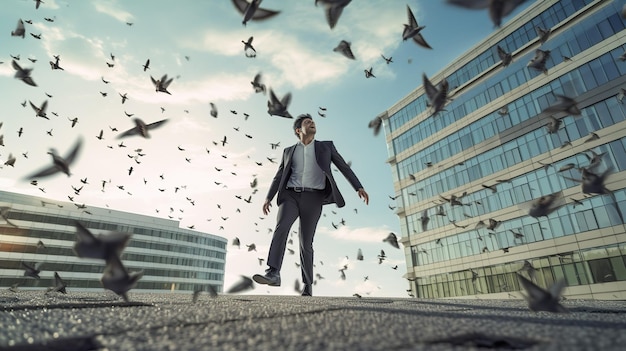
32,320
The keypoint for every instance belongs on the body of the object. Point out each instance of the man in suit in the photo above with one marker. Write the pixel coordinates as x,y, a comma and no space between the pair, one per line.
304,183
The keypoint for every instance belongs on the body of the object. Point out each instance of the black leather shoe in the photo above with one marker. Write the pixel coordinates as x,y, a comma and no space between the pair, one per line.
307,291
271,277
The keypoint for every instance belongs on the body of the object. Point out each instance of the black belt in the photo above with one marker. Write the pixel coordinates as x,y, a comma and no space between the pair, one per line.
299,189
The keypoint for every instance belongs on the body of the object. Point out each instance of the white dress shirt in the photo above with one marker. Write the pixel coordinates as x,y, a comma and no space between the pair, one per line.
305,172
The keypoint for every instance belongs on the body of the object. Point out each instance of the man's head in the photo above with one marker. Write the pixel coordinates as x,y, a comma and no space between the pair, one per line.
304,125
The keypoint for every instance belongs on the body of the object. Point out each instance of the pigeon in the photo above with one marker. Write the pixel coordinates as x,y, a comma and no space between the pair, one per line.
368,73
257,85
622,93
553,124
141,128
248,45
59,285
359,255
252,11
4,214
376,124
333,10
146,66
392,239
437,96
388,60
542,300
236,242
543,34
497,8
19,31
563,104
506,57
10,160
412,30
545,205
538,62
55,65
210,290
344,48
102,246
59,164
162,84
213,109
277,107
117,278
244,284
37,3
424,219
23,74
32,271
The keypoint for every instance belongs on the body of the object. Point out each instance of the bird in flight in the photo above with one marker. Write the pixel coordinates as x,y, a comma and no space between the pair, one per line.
141,128
252,12
59,164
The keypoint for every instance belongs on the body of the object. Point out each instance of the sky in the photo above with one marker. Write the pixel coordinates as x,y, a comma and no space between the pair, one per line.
184,172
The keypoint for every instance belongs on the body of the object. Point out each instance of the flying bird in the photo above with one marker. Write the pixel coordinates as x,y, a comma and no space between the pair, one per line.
543,34
59,285
333,10
563,104
23,74
497,8
542,300
369,73
59,164
141,128
538,62
506,57
117,278
32,270
277,107
412,30
213,109
546,205
251,10
388,60
245,283
257,85
376,124
248,46
19,31
101,246
146,65
437,96
162,84
40,111
392,239
344,48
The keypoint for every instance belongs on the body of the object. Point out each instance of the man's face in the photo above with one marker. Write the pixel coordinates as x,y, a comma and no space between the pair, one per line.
308,127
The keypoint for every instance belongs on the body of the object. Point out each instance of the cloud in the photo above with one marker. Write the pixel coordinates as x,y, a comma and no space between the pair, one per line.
111,8
363,234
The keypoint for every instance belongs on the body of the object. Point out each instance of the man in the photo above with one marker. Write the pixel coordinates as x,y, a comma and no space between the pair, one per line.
304,182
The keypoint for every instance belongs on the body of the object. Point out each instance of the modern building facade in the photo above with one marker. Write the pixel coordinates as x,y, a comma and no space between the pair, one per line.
492,150
42,231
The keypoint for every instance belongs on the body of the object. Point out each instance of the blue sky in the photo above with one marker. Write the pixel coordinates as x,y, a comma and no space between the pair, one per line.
199,44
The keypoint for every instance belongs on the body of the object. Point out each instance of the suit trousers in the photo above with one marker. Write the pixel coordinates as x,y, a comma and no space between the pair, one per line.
308,207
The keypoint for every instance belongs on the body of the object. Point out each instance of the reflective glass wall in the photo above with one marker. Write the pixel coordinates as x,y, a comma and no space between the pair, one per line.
465,192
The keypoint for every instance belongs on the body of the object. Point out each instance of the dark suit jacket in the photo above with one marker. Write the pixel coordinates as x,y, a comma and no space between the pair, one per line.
325,153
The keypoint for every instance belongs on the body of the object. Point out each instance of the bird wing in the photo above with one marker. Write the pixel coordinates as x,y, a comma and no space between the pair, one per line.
241,5
74,152
261,14
431,91
412,21
472,4
156,124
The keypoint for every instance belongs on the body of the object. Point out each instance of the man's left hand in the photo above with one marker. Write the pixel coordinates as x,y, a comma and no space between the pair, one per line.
363,195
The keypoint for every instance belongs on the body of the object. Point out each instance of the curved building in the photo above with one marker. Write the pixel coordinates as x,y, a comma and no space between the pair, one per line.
38,231
468,176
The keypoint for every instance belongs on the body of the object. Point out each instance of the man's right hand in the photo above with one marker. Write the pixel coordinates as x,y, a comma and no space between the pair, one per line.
266,207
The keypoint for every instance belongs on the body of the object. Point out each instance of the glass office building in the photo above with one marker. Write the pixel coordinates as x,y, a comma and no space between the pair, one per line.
491,149
42,231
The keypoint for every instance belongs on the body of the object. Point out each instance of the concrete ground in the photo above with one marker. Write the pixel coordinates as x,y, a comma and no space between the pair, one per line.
31,320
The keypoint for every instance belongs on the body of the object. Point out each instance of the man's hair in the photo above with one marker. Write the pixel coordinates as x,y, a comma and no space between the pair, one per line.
298,122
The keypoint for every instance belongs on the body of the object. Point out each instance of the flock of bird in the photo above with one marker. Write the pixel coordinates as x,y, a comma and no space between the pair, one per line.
119,280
